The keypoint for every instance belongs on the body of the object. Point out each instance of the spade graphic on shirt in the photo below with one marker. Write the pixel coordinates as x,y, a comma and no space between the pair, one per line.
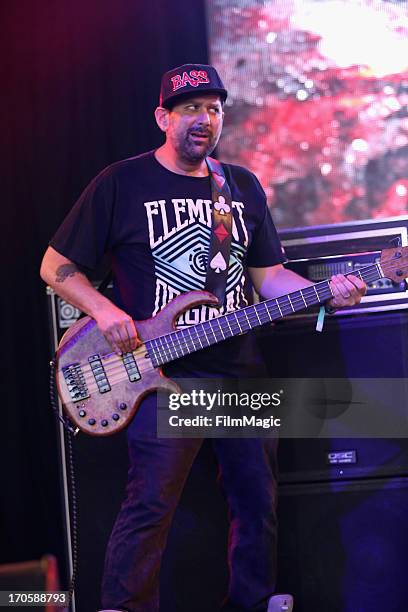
218,263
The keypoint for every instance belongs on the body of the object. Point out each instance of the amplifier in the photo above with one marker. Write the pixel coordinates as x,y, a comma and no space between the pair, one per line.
62,314
318,252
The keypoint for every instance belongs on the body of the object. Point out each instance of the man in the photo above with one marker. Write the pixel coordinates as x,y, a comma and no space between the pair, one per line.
152,213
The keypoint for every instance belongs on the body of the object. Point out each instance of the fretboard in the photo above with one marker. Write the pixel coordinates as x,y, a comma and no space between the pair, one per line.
185,341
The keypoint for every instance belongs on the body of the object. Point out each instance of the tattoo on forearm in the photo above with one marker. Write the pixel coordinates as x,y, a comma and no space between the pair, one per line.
64,271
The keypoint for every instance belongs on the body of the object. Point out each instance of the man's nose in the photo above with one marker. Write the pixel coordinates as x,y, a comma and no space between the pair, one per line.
204,118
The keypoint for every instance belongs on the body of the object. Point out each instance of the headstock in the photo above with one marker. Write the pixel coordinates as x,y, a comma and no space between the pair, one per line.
394,263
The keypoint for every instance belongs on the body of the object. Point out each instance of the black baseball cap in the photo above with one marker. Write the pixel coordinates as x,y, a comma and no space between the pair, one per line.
187,80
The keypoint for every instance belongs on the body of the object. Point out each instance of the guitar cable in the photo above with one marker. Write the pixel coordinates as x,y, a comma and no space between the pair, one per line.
70,433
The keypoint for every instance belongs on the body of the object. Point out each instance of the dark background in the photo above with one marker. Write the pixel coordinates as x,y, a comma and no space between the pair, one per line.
79,84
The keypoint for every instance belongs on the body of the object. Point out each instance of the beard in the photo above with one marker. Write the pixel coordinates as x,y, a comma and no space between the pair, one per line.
195,145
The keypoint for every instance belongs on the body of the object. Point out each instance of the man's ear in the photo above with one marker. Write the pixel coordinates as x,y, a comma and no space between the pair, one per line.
162,118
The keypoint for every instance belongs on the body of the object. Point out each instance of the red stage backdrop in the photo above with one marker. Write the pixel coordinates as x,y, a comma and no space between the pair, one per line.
318,104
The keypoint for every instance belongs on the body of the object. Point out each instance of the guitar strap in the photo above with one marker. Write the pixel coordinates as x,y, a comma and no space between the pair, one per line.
221,231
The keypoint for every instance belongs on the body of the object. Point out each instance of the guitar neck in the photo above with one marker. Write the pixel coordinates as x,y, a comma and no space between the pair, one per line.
169,347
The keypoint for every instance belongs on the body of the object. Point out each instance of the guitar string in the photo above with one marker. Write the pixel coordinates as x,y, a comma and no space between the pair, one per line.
237,322
114,363
114,366
208,333
91,383
252,309
168,349
299,297
254,319
112,357
118,365
164,348
283,306
167,343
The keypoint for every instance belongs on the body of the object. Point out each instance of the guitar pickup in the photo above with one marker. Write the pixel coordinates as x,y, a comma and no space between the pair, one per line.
99,373
131,367
75,382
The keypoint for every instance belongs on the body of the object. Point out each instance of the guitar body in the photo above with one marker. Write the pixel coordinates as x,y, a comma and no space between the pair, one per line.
100,390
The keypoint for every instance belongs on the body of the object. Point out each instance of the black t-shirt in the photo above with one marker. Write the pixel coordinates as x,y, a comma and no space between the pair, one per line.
156,225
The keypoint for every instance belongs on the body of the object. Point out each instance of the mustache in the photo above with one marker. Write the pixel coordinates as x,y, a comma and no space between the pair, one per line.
201,131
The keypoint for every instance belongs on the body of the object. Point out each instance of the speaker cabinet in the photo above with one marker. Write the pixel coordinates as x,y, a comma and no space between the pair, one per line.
343,528
364,346
342,545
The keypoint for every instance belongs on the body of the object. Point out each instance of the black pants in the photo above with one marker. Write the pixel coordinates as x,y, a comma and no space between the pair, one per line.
157,474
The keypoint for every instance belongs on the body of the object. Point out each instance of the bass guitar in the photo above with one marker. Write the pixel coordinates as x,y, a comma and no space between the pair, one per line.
101,391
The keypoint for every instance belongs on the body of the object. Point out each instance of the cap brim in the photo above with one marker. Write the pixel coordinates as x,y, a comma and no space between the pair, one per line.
176,98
